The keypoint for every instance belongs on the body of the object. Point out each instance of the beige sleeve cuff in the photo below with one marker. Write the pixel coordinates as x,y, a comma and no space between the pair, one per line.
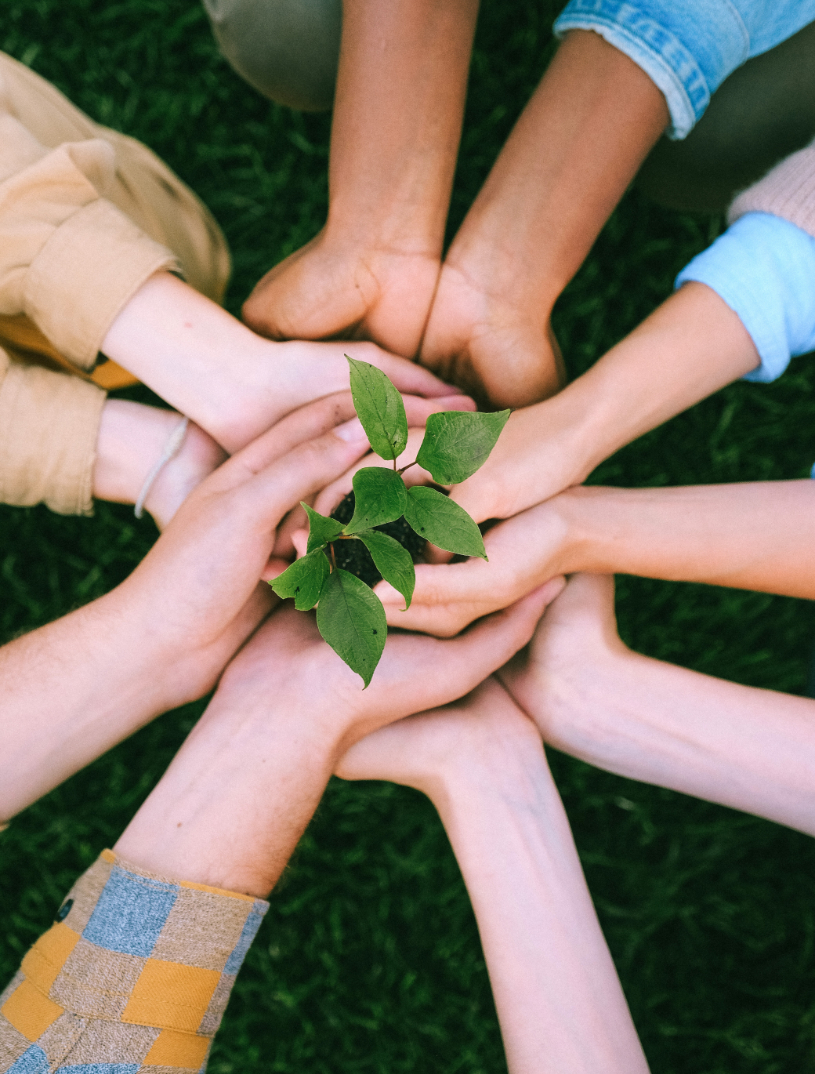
85,274
69,259
49,425
787,191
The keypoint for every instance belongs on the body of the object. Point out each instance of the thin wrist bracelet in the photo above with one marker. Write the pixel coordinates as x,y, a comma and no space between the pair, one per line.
171,449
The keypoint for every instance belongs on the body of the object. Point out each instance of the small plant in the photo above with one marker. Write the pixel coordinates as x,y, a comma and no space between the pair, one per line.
350,616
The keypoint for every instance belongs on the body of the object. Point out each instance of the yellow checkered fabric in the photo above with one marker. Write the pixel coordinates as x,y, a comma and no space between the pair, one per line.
133,978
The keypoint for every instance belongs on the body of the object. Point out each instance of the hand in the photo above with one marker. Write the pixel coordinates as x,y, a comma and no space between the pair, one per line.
429,751
524,552
576,668
288,668
196,593
227,379
330,290
484,340
130,441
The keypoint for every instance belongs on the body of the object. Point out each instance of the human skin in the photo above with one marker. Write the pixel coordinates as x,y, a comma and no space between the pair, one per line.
133,436
755,535
234,802
692,345
227,379
76,687
481,763
576,147
592,697
372,270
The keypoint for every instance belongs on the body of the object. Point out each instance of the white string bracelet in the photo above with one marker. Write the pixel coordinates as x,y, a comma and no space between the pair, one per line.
171,449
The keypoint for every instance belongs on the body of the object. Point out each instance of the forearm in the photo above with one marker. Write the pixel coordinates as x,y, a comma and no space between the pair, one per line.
750,536
556,990
71,690
738,746
565,166
397,121
197,357
236,799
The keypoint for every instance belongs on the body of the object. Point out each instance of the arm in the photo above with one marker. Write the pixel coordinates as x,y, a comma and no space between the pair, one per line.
565,166
592,697
176,914
231,382
690,346
372,270
750,536
556,991
74,688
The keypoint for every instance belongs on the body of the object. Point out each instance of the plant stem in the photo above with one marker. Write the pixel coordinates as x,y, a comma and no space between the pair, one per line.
333,559
404,467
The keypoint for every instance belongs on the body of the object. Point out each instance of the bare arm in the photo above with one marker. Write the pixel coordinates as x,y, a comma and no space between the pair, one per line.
558,997
750,536
688,348
372,271
74,688
573,152
592,697
231,382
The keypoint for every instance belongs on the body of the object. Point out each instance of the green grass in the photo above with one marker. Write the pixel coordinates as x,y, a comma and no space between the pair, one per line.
369,960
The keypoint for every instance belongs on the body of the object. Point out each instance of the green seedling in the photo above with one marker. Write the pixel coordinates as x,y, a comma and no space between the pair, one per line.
456,443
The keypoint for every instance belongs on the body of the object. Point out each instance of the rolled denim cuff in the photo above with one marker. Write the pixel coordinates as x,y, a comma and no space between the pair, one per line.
686,57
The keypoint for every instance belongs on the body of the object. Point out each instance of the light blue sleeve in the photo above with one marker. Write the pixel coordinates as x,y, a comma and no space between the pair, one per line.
688,47
764,269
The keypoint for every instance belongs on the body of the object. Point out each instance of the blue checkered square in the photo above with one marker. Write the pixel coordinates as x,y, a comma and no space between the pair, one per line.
253,923
32,1061
131,913
101,1068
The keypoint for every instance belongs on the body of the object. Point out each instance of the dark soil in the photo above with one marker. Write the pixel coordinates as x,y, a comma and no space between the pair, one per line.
354,557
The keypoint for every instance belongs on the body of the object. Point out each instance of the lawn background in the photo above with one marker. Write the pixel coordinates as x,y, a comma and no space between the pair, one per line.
369,959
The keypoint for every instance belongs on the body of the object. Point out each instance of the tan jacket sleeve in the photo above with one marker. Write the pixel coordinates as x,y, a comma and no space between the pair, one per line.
69,259
787,191
49,424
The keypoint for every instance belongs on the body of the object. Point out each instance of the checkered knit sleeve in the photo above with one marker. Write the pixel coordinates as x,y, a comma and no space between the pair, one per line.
133,977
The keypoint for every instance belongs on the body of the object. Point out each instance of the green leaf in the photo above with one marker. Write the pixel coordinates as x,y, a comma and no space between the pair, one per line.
456,443
352,620
443,522
392,561
303,580
321,530
379,496
380,408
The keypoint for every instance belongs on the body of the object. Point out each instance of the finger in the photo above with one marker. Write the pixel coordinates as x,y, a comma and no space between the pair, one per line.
307,423
295,520
270,494
332,495
450,669
445,584
418,410
408,377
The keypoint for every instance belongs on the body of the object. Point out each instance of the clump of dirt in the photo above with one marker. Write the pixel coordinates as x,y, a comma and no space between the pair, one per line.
354,557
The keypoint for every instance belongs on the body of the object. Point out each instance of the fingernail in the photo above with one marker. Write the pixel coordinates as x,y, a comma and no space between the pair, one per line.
351,431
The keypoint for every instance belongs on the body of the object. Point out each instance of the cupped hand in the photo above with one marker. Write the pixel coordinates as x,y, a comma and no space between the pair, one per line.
289,668
524,552
197,591
576,654
430,750
330,289
486,343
